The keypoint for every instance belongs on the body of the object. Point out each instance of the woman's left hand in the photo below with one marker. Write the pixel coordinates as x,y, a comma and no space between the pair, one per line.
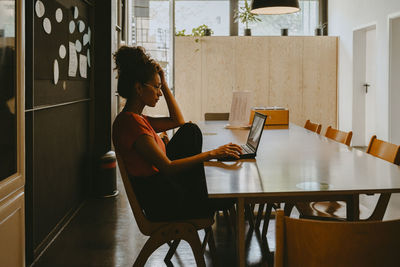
162,77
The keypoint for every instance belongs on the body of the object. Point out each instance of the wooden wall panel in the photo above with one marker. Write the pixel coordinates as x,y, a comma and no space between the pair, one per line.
320,82
218,73
285,75
299,73
252,68
188,78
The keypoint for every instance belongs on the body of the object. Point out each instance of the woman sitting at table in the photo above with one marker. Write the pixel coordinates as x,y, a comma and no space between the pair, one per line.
169,181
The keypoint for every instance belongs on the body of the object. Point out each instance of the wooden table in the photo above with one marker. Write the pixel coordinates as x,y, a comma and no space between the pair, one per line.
294,165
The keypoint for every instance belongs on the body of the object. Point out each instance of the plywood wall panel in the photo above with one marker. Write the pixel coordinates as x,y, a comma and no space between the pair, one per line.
218,73
320,82
188,77
252,67
299,73
285,75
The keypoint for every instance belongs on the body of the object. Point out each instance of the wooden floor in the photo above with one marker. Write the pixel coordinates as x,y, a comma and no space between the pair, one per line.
104,233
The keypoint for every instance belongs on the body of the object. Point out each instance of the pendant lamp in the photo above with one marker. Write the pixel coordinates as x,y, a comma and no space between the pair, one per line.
274,7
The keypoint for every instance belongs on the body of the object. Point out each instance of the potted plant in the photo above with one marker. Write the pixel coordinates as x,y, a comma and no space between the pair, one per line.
319,31
202,30
180,33
245,16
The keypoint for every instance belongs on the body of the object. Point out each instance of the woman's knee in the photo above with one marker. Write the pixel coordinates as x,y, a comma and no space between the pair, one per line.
191,127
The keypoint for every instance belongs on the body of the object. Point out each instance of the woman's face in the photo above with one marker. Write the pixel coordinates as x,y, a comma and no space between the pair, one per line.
151,91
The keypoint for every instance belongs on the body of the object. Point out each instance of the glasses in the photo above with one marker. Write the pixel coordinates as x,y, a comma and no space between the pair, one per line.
155,87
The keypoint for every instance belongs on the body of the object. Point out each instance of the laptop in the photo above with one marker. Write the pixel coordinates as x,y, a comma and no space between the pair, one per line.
249,150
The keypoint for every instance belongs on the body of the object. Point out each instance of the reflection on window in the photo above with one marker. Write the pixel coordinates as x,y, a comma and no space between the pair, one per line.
300,23
151,29
8,147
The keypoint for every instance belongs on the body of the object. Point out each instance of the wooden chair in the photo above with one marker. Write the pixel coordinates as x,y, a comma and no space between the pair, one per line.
336,210
313,127
164,232
339,136
216,116
302,242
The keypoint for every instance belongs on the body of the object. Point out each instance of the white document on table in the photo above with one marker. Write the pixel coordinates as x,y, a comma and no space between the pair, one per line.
240,109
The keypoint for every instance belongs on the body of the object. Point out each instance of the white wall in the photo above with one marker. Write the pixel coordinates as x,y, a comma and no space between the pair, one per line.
394,131
345,16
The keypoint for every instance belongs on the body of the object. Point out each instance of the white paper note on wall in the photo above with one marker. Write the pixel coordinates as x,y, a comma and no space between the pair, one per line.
83,66
240,109
73,60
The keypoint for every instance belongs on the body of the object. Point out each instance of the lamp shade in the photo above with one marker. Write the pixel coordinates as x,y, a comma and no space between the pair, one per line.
274,7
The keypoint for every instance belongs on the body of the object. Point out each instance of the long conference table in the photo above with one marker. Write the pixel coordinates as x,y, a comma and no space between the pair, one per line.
293,165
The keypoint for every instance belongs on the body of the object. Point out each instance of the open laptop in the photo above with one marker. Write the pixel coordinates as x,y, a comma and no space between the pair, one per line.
249,150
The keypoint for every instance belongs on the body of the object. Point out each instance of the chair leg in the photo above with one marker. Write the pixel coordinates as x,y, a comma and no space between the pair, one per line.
266,221
259,214
288,208
249,212
380,208
227,219
171,250
205,241
232,217
211,246
151,245
169,232
193,239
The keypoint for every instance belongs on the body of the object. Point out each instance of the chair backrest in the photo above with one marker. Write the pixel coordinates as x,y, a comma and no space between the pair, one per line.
302,242
145,226
384,150
216,116
339,136
313,126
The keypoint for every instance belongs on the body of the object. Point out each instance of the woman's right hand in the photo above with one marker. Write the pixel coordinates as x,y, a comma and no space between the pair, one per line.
225,151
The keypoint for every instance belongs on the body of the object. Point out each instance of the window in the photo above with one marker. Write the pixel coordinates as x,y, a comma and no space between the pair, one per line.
213,13
151,29
300,23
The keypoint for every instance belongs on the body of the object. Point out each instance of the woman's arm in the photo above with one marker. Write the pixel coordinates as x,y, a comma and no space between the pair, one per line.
147,147
175,118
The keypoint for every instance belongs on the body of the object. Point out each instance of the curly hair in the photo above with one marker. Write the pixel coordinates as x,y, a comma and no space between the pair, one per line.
133,65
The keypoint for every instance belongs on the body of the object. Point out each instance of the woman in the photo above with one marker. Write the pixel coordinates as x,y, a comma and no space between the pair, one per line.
169,181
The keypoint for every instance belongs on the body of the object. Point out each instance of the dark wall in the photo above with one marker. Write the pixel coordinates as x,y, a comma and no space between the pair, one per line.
68,123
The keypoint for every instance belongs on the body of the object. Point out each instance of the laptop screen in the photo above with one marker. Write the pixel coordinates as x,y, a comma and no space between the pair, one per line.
256,130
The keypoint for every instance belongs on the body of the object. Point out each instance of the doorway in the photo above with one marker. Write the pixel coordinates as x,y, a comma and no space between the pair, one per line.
364,84
394,79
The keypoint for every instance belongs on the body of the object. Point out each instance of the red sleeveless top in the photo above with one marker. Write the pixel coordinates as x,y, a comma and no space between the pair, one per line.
127,127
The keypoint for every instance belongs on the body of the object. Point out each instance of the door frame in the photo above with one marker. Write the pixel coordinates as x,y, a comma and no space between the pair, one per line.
12,188
390,18
359,65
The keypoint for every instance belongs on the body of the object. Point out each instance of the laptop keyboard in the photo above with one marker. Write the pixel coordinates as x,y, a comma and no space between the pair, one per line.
246,149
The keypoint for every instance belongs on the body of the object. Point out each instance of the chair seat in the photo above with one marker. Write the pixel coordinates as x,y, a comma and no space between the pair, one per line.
198,224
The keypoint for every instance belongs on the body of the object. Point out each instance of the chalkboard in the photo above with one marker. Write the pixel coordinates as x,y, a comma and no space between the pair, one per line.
47,49
58,154
61,164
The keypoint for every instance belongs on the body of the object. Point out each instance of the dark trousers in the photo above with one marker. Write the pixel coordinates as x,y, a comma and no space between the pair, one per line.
184,194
